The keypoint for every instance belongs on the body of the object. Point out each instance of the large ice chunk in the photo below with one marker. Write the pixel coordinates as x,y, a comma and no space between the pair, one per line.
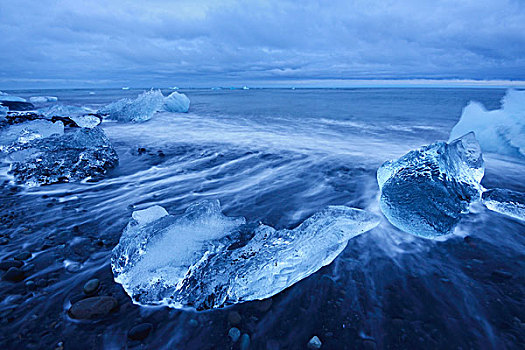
140,109
205,260
77,155
40,151
425,191
499,131
177,102
506,202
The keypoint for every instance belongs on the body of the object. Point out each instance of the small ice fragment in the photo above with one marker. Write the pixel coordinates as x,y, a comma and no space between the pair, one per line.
11,98
498,131
506,202
426,191
43,99
145,216
3,112
65,111
204,259
177,102
86,121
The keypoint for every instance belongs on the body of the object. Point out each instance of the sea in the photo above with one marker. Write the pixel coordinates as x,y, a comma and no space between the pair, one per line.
274,156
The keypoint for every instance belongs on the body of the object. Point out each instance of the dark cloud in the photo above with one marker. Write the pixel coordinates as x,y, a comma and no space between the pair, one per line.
195,43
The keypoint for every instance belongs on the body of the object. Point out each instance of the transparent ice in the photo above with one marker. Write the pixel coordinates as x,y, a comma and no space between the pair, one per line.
203,259
40,152
506,202
426,191
135,110
17,135
176,102
499,131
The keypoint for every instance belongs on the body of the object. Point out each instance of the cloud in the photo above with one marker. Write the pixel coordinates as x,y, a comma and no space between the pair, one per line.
192,43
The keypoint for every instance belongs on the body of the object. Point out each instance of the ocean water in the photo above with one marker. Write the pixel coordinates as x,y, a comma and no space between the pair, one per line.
275,156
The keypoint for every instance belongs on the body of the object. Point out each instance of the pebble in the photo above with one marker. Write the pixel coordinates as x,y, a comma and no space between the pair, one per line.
30,285
314,343
193,322
140,332
7,264
264,305
91,286
369,344
234,334
23,256
91,308
234,318
500,275
14,274
245,342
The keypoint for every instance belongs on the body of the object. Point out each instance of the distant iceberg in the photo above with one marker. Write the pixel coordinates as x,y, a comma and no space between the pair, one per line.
426,191
177,102
43,99
206,260
499,131
135,110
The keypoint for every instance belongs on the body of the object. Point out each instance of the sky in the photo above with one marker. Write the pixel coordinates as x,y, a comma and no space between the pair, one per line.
94,43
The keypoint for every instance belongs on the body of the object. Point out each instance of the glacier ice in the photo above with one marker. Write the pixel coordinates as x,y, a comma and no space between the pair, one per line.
425,191
176,102
204,259
135,110
43,99
506,202
499,131
42,151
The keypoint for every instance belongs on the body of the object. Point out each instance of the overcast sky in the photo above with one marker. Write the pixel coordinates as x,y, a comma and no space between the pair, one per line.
92,43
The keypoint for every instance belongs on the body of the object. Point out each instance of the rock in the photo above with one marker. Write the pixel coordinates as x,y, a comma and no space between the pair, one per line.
264,305
7,264
23,255
140,332
234,318
17,105
30,285
91,308
500,275
314,343
369,344
91,286
234,334
193,322
245,342
14,274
